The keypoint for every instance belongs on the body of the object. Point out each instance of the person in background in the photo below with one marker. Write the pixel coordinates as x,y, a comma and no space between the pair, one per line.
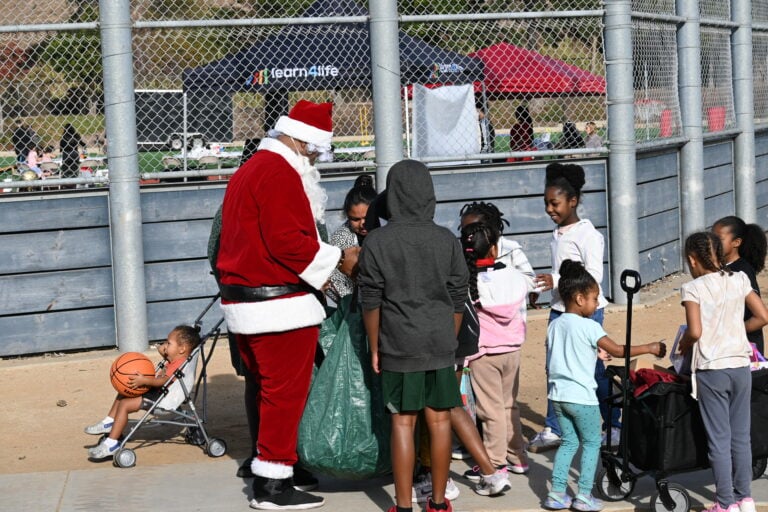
716,335
592,140
573,340
33,161
744,250
487,133
570,138
70,146
352,232
413,284
521,134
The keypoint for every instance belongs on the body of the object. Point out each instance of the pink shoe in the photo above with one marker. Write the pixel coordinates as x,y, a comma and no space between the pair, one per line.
746,505
715,507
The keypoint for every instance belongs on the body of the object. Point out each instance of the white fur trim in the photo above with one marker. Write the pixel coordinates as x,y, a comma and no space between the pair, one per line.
303,131
320,268
277,315
275,146
266,469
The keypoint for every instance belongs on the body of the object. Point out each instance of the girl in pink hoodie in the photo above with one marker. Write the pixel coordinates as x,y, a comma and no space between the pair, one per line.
499,294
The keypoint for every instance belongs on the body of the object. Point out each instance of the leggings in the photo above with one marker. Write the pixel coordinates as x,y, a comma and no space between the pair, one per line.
580,424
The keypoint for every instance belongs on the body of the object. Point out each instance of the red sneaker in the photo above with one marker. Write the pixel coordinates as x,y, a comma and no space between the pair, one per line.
431,506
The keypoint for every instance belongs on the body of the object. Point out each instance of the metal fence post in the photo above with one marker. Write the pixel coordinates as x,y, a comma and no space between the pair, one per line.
385,70
743,99
124,199
692,216
622,176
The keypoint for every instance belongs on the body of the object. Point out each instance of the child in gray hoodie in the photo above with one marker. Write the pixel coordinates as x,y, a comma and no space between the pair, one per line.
413,284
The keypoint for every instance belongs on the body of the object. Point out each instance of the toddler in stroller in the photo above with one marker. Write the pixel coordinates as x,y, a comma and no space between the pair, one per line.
169,388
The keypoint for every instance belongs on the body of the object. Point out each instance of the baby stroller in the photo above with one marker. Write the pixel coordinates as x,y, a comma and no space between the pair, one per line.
662,432
176,405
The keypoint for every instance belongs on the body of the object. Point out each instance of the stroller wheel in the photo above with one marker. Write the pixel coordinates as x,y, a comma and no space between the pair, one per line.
679,499
758,467
606,484
216,447
125,458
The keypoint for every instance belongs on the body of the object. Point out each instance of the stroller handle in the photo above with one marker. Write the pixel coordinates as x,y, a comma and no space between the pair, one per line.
635,275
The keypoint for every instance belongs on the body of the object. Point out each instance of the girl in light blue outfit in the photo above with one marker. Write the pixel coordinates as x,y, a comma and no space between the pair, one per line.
572,343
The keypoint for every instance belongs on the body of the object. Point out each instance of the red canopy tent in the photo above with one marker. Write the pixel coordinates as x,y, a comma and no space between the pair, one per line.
510,69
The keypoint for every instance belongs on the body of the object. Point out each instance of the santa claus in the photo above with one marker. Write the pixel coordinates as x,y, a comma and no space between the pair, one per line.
272,265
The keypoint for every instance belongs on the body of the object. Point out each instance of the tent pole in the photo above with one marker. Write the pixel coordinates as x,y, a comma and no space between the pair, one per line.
407,123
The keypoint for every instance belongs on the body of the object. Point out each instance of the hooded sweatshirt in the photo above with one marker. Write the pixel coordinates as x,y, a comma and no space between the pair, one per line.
414,271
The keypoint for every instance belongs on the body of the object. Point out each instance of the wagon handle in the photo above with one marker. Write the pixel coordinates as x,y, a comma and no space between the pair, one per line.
635,275
630,291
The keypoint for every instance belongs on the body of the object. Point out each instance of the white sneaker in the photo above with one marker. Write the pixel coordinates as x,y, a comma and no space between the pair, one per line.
99,428
423,489
615,437
747,505
102,451
494,484
543,441
458,452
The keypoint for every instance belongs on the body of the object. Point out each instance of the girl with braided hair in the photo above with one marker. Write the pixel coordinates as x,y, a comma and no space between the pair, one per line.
716,334
499,294
509,252
744,249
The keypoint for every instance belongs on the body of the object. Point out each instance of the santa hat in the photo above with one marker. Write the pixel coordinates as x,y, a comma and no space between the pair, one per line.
308,122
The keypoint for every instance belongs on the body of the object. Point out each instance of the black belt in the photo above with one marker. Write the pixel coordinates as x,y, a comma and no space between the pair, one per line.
247,294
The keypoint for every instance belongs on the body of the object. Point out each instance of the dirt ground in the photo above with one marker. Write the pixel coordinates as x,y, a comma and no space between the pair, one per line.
47,400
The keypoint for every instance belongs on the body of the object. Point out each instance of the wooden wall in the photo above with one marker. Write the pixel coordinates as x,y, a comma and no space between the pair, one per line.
55,258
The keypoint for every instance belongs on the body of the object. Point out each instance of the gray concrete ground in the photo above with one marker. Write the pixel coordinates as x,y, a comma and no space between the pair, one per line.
211,485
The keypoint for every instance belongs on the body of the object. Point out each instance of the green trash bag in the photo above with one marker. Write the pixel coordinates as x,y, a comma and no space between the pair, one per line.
345,430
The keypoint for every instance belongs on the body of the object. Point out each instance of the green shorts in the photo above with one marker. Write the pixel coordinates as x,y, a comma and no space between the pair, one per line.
413,391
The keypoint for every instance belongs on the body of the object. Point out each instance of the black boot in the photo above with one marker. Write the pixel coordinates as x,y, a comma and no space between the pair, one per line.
303,480
279,494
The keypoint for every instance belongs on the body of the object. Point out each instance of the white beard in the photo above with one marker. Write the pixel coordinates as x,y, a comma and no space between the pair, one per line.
310,178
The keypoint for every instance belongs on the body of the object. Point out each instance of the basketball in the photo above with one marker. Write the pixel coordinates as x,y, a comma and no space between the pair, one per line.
126,367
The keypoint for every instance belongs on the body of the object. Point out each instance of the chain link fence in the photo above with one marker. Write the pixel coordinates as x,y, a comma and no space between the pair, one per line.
211,75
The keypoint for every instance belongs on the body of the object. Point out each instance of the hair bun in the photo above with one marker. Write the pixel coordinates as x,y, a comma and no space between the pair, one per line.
572,173
364,180
570,268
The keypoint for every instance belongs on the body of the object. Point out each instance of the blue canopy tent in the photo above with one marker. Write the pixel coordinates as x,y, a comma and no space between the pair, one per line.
326,57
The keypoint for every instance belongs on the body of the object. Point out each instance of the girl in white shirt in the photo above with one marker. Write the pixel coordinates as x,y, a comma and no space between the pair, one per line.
578,240
717,334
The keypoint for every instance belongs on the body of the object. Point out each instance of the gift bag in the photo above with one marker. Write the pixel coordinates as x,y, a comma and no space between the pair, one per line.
344,431
467,396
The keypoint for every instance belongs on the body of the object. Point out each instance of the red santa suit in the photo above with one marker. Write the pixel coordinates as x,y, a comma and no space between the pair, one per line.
269,238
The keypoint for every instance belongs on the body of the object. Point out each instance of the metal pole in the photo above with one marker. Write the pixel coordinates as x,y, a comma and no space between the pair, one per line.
124,200
622,179
692,216
385,70
744,144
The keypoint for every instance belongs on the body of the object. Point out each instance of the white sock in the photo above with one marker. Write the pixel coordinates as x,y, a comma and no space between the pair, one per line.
110,442
107,420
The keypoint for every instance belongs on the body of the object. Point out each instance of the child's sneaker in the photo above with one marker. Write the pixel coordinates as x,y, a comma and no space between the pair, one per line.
99,428
458,452
491,485
585,503
102,451
543,441
715,507
422,489
431,507
518,469
615,437
557,501
473,475
746,505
